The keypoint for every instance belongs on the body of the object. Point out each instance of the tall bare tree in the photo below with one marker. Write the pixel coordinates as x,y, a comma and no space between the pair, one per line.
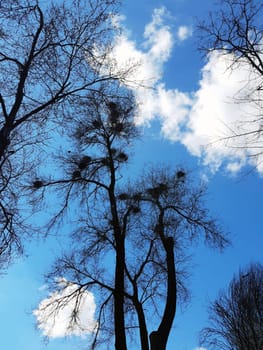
50,58
128,247
93,171
236,316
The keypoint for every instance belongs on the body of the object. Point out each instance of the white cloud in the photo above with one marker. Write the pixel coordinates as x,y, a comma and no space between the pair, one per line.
201,120
158,37
172,107
147,61
56,322
200,348
184,32
218,112
153,100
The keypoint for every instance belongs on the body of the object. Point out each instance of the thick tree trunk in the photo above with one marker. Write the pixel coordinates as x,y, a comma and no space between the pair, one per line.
119,320
159,338
155,340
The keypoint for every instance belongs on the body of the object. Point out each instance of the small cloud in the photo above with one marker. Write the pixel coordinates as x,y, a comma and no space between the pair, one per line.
55,314
184,33
200,348
158,36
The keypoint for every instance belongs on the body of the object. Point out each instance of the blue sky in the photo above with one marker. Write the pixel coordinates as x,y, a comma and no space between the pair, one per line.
187,110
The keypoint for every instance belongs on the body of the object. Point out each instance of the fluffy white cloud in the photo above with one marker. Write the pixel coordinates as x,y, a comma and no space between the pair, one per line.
148,60
158,37
145,63
201,120
55,322
222,108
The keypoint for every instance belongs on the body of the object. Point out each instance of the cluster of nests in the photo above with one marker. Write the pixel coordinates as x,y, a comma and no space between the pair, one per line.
116,126
85,161
82,164
114,118
154,192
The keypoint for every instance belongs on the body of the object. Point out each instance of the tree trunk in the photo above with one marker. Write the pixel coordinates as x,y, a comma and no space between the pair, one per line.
159,338
142,326
119,318
119,321
4,140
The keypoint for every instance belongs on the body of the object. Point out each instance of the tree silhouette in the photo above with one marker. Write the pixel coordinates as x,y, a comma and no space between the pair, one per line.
236,316
128,247
48,63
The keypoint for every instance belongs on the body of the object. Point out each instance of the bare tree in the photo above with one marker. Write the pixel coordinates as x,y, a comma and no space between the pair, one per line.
129,248
93,173
236,316
50,58
236,31
171,217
